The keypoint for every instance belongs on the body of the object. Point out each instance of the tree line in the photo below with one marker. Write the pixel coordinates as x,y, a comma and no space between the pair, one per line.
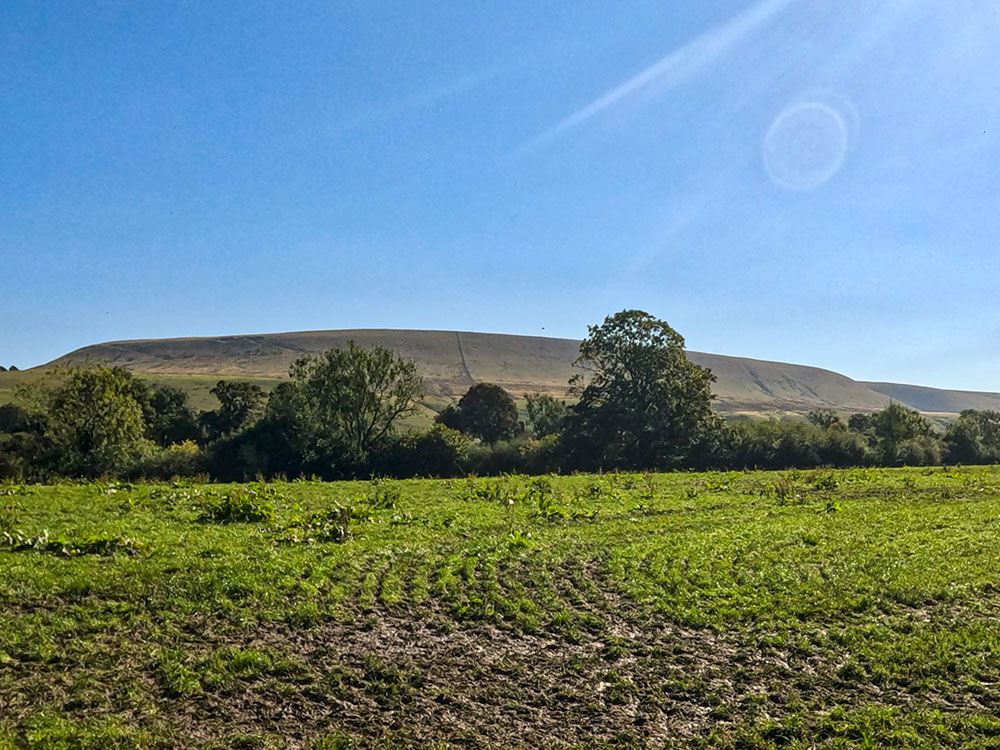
636,403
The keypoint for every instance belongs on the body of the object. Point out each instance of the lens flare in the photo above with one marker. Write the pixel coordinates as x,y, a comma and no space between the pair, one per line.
805,146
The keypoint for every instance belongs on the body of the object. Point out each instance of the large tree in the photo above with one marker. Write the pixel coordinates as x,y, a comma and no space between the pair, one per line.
94,422
165,411
896,423
974,438
486,411
352,397
642,403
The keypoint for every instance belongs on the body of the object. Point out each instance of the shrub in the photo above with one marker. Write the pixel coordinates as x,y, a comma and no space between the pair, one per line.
181,460
919,451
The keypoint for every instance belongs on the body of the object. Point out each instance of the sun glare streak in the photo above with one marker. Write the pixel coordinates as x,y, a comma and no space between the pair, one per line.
676,67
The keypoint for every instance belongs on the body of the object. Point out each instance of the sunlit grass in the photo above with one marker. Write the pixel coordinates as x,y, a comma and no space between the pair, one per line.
730,609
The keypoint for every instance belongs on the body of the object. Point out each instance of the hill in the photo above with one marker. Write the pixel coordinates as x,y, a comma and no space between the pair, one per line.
937,400
451,361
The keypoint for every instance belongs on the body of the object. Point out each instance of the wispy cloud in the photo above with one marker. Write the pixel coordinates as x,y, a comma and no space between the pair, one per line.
676,67
426,99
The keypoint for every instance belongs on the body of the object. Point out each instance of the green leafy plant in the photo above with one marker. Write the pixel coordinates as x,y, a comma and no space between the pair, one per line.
518,539
16,490
546,509
384,495
826,481
101,544
784,490
251,504
332,525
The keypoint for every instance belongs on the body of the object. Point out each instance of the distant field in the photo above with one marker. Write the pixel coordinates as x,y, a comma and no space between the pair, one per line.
841,609
198,388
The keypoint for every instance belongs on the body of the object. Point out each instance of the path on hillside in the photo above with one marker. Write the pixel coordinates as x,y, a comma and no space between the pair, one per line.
461,354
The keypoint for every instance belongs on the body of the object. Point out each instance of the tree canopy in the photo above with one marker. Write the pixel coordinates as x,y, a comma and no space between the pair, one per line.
95,424
546,413
240,403
642,403
354,395
486,411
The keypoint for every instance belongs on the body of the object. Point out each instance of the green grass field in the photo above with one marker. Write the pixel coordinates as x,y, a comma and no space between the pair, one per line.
197,387
743,610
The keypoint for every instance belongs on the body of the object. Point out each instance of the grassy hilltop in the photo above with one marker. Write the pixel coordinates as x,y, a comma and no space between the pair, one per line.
452,361
844,609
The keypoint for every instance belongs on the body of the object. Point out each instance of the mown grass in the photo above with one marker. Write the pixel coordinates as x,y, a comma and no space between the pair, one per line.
803,609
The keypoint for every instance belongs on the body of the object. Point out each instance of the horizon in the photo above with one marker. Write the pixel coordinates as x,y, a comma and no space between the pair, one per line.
484,333
778,180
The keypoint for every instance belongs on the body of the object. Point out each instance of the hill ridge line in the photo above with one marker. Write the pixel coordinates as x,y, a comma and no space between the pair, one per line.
520,363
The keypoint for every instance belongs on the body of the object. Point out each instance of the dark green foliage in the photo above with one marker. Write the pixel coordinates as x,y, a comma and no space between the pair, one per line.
897,423
15,418
185,459
334,418
825,418
899,436
94,422
240,403
783,445
439,452
486,411
170,420
974,438
860,422
518,456
642,403
342,403
924,450
22,455
546,414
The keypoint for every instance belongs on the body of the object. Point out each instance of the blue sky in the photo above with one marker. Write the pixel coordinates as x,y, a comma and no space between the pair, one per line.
813,181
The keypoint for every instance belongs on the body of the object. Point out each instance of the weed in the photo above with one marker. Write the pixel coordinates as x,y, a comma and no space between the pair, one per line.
10,516
546,509
112,487
101,544
783,489
15,490
251,504
324,526
825,481
517,539
384,495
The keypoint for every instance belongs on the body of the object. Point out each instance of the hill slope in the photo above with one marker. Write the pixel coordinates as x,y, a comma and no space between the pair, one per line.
936,399
452,361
